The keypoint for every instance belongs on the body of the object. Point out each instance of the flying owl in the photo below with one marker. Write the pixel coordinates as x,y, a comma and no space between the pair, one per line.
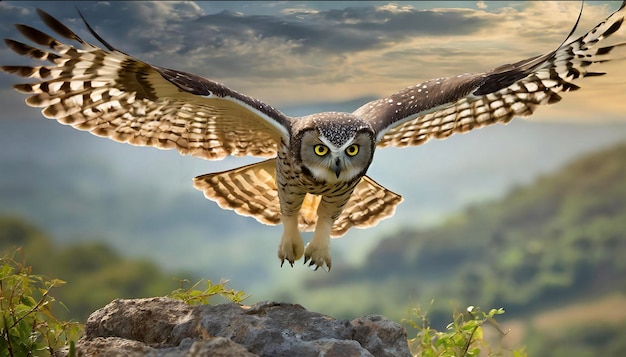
314,177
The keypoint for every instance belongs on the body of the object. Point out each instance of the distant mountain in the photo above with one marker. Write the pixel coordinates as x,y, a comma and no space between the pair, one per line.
560,239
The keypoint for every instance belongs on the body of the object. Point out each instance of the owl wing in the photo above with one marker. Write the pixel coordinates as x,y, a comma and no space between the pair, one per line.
441,107
112,94
248,190
251,191
368,205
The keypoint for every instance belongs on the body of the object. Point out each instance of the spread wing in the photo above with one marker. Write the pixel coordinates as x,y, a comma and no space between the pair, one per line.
441,107
251,191
248,190
112,94
369,204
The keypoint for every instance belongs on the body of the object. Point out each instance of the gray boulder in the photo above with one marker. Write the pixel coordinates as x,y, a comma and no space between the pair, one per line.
168,327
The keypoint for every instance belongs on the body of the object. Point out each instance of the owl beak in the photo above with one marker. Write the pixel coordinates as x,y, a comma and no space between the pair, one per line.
337,168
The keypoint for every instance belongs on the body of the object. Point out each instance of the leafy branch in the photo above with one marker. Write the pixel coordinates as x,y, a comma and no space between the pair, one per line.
462,337
27,326
193,296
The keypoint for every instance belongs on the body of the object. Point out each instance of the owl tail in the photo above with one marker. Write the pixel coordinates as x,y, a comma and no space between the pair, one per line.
251,191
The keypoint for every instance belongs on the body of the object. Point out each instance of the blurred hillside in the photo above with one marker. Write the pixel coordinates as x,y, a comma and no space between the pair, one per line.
96,273
559,241
550,253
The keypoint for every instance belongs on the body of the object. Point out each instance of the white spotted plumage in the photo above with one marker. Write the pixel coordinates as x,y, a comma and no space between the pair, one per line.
312,180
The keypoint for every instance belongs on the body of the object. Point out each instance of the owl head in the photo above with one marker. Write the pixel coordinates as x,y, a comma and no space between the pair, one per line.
336,147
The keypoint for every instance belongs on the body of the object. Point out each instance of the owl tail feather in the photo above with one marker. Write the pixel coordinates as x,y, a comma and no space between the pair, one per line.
251,191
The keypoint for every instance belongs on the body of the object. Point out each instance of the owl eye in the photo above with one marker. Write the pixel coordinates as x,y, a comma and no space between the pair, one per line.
320,150
352,150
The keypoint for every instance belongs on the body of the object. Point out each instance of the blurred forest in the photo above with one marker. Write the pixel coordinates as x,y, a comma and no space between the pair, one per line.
550,253
95,273
558,243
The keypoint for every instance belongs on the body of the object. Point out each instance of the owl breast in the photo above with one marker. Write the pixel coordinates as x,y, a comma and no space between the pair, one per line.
294,183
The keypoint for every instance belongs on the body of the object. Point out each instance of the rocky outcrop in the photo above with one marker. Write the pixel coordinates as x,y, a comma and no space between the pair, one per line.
167,327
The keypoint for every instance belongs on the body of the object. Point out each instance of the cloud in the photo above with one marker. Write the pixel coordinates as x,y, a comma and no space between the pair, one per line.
295,53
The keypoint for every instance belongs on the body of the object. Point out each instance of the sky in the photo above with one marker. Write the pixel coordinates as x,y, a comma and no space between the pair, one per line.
297,53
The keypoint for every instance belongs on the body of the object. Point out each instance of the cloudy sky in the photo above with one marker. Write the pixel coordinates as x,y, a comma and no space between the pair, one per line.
297,53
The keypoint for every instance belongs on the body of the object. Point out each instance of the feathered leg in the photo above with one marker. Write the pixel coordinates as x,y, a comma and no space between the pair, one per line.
291,245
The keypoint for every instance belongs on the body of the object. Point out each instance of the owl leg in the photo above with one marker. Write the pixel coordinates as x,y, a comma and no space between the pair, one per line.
318,250
291,246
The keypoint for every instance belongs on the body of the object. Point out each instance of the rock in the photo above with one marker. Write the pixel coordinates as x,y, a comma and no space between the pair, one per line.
166,327
150,321
111,346
380,336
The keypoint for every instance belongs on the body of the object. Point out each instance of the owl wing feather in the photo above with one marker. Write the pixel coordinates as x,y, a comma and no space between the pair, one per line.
368,205
251,191
112,94
441,107
248,190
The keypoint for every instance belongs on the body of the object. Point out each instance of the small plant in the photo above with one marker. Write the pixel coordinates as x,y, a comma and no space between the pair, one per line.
193,296
463,337
27,326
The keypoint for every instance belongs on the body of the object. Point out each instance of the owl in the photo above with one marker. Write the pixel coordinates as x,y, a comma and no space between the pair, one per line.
314,176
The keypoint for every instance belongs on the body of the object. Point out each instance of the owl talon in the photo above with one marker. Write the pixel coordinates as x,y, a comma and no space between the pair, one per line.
313,266
290,249
290,261
283,262
317,257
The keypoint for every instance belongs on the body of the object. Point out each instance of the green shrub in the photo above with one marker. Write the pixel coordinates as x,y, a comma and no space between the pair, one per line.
193,296
463,336
27,326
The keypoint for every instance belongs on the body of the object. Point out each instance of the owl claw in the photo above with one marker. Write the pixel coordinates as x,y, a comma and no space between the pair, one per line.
315,267
290,250
283,262
289,260
317,257
312,264
325,266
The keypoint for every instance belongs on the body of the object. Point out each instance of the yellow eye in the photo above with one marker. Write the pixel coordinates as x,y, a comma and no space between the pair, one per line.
352,150
320,150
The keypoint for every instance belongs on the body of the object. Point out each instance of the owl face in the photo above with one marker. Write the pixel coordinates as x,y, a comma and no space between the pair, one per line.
328,161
